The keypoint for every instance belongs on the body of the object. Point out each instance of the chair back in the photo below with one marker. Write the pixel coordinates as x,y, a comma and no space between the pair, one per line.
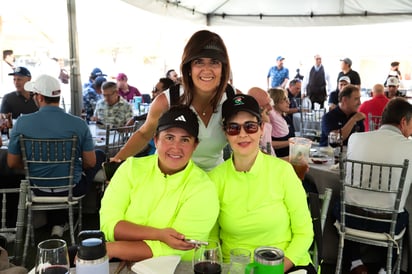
17,230
49,163
319,207
383,183
116,137
310,123
374,121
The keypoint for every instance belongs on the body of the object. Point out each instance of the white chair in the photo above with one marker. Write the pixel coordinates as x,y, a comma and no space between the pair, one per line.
387,180
319,214
18,230
59,154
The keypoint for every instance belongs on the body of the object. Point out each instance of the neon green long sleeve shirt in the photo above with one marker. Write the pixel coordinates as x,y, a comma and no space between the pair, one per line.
263,207
140,193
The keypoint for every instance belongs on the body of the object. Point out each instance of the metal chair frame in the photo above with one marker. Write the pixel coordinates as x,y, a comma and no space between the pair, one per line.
324,200
371,177
116,137
308,120
54,152
374,121
18,230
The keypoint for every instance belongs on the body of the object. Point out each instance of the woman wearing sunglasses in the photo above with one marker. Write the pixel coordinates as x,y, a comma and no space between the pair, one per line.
262,201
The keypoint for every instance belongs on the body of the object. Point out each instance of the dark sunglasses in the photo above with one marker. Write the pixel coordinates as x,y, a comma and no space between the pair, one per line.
234,128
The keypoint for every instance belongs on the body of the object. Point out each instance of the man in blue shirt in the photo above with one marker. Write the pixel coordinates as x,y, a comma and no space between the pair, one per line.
345,118
53,122
278,74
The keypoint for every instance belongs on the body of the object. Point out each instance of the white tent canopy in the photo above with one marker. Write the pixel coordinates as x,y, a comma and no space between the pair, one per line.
280,12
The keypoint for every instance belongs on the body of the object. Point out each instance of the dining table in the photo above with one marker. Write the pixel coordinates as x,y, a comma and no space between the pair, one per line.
184,267
326,175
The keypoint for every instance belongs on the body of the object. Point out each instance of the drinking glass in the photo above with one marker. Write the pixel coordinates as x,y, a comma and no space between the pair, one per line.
52,257
335,141
239,259
207,259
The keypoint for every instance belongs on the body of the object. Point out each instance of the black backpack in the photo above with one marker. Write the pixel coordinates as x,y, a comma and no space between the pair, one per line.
174,94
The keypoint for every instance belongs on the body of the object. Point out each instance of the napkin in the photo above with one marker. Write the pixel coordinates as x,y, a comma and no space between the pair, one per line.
157,265
334,167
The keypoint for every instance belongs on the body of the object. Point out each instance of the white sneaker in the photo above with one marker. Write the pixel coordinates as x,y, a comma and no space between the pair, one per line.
58,230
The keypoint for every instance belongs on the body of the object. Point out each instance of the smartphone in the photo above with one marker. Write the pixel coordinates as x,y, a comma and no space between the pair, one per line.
196,242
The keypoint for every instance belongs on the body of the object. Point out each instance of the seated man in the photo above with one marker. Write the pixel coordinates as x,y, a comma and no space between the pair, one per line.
375,105
333,100
91,95
393,84
125,90
113,110
345,118
52,122
19,101
374,146
153,203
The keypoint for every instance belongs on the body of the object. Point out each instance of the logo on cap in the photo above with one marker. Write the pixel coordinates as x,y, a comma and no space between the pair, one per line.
180,118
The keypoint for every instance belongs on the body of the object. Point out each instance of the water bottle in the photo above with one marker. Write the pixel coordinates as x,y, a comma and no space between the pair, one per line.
91,253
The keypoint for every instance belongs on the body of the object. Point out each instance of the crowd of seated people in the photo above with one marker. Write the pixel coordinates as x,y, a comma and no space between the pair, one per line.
189,122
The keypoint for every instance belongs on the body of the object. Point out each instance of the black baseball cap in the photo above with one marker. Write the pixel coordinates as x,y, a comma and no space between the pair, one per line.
240,103
21,71
181,117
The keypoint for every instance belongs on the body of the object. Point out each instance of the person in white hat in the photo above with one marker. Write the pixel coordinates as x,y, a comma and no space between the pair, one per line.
50,121
393,84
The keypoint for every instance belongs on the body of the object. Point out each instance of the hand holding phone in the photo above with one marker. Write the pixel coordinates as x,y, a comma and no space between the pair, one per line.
196,242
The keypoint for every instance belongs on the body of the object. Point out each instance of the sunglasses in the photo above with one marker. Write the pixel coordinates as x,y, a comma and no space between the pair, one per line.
234,128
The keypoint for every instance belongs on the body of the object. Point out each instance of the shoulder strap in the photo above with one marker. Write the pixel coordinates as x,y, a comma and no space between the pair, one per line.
174,94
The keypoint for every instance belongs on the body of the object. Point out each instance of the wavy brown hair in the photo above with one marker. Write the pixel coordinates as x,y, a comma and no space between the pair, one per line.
193,49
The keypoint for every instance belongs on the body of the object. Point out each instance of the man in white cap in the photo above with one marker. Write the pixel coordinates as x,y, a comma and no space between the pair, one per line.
393,84
334,95
53,122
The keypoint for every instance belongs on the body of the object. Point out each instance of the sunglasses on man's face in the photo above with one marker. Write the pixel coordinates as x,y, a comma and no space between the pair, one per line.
234,128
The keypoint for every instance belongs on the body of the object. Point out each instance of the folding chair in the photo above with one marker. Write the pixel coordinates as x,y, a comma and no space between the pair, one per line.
374,121
319,206
116,138
310,123
18,230
358,179
58,154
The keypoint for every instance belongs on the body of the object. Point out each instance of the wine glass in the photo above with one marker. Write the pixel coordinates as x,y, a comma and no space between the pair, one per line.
207,259
335,141
52,257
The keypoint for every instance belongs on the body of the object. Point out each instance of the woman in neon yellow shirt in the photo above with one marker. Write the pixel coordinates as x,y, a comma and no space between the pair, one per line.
262,201
153,203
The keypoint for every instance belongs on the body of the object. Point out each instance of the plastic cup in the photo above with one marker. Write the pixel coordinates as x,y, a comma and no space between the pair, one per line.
299,149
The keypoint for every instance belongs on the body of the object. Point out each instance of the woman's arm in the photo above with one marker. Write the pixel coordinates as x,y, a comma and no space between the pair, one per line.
140,138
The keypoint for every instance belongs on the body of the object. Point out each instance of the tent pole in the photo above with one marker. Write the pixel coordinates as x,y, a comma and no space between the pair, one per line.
75,80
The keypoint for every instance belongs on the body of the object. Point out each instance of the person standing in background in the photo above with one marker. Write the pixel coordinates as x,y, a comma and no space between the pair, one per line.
172,75
19,101
278,75
316,84
125,90
346,66
7,66
393,72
